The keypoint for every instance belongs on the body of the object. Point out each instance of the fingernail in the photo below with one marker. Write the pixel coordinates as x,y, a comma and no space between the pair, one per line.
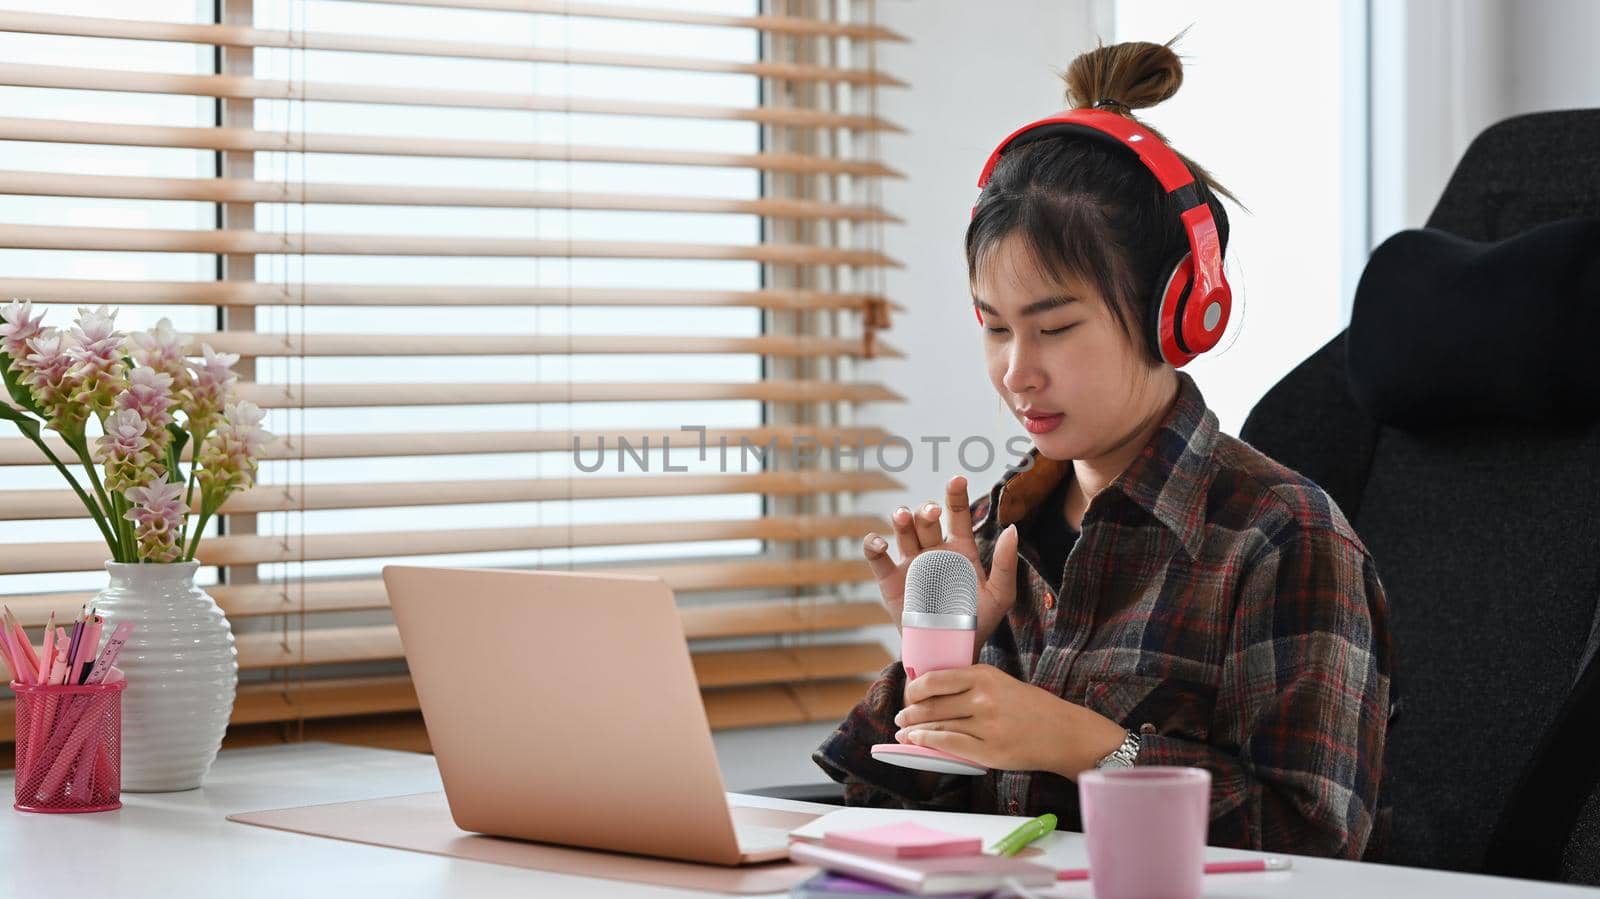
899,719
900,736
878,544
929,509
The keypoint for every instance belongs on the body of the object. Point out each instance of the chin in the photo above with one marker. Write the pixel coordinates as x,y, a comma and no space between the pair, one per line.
1058,446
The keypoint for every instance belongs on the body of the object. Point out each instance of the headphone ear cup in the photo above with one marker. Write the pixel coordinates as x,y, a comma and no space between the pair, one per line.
1167,313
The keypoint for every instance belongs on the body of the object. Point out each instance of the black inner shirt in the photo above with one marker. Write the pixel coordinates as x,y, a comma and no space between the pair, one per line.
1047,532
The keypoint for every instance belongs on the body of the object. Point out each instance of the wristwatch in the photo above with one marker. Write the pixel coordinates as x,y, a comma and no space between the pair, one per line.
1122,756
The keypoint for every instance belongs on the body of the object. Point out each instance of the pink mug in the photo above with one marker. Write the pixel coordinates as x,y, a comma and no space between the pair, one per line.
1146,830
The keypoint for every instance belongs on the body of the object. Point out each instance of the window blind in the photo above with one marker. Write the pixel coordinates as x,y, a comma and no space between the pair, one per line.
483,262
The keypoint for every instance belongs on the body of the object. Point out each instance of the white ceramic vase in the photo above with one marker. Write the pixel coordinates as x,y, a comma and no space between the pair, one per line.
182,671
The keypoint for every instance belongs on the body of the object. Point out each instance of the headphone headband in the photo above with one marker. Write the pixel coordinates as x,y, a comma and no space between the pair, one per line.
1203,288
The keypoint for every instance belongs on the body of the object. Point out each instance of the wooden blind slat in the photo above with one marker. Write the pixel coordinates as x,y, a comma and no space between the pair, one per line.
180,240
334,697
236,87
181,136
236,36
788,664
789,25
310,396
726,668
17,451
261,344
256,550
787,704
223,293
18,505
753,619
366,594
236,190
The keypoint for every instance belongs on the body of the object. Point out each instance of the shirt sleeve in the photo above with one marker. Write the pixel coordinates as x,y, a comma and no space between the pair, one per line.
1303,704
846,756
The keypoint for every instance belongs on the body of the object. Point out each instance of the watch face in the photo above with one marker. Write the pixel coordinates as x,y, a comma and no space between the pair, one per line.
1116,761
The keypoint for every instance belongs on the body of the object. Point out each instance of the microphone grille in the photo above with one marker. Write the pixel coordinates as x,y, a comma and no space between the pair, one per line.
941,582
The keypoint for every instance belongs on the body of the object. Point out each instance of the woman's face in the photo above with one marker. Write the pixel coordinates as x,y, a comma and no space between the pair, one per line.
1080,385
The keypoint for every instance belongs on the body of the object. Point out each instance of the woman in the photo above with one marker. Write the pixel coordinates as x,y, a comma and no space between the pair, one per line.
1157,592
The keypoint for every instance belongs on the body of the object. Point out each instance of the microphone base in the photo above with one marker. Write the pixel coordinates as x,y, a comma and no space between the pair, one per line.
922,758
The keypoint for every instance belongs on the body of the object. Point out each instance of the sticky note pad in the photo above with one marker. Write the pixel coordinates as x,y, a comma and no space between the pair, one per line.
906,839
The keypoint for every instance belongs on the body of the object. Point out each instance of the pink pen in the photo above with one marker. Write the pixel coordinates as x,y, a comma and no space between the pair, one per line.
22,647
5,655
18,663
86,651
72,644
1245,866
47,656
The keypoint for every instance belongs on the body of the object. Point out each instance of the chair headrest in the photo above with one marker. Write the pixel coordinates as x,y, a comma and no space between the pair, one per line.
1447,331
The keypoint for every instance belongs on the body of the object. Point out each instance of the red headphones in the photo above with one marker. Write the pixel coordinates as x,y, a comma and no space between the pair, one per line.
1191,310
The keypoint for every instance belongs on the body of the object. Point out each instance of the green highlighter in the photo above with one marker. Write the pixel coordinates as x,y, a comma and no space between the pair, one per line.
1013,842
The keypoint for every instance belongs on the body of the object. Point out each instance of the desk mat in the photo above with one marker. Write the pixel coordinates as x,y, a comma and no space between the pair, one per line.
422,823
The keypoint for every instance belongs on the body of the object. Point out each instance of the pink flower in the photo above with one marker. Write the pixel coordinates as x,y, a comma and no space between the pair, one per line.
20,327
208,393
161,348
157,516
50,376
231,454
97,358
149,393
127,452
124,437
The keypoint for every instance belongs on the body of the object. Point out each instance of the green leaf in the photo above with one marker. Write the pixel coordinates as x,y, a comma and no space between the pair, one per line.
180,439
20,394
26,424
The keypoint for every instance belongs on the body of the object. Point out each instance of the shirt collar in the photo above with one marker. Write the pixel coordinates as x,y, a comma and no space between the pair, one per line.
1167,479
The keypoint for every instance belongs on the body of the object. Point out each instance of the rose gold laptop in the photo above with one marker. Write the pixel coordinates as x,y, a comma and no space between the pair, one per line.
563,708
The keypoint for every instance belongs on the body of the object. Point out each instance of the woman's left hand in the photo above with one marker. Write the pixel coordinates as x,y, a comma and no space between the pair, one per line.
984,714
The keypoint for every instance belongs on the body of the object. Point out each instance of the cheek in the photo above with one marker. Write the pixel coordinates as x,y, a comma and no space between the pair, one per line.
1095,376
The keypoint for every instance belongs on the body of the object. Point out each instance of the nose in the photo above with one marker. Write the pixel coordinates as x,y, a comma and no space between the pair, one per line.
1023,372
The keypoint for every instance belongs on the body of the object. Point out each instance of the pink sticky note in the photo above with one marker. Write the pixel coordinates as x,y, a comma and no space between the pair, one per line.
906,839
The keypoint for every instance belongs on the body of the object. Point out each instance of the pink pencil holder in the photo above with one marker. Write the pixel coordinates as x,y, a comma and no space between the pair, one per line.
69,748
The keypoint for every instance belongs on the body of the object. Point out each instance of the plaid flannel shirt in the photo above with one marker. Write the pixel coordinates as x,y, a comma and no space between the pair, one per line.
1216,602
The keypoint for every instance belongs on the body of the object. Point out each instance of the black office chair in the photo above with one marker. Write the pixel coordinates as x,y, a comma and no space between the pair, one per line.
1487,537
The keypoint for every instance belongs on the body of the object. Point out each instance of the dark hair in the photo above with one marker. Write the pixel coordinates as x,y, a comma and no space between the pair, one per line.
1089,210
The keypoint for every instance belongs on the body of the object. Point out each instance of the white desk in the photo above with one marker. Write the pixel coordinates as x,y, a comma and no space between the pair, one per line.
177,846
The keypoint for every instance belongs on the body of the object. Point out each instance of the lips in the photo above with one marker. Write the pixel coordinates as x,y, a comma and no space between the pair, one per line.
1038,422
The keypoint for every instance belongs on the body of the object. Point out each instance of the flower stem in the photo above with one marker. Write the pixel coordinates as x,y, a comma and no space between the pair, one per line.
188,493
199,529
82,449
112,541
126,526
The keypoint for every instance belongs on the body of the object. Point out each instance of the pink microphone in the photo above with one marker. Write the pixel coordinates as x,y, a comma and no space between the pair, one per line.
938,626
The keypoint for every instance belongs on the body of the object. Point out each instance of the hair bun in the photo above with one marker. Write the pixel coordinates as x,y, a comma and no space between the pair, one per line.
1131,75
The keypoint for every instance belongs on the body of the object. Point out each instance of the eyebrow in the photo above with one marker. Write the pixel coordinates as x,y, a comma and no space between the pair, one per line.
1033,308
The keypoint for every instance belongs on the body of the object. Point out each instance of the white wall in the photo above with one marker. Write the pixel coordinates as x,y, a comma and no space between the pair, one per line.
1265,108
978,71
1443,70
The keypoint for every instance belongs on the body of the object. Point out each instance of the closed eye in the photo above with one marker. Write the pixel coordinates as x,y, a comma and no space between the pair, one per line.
1053,331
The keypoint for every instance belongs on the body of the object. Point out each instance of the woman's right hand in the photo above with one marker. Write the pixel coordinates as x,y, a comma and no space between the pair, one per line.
914,533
